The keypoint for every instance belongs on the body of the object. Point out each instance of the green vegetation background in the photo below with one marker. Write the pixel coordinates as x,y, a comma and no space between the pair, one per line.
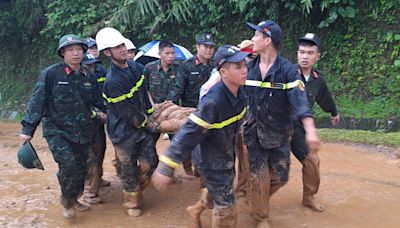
360,39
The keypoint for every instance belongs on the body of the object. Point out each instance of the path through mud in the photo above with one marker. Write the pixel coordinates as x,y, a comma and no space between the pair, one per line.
359,185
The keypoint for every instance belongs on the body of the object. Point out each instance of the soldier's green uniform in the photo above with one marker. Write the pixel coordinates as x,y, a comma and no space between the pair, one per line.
158,82
62,99
190,77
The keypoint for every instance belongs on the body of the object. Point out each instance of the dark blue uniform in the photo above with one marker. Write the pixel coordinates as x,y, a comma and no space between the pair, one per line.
127,108
214,125
267,129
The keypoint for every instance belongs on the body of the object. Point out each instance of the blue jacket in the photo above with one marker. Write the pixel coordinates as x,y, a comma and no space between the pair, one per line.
214,125
127,102
268,122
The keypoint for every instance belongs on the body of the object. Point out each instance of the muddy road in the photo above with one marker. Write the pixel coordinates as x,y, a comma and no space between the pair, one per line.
359,185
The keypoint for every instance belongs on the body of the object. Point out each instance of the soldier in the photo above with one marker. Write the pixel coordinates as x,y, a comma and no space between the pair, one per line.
214,126
96,158
127,108
308,54
63,95
191,75
160,75
275,93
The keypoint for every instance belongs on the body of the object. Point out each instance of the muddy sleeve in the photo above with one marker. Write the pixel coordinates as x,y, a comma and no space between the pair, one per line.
125,109
36,105
192,133
325,100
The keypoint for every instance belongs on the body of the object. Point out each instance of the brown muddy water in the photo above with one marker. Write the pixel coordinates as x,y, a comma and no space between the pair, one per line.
360,186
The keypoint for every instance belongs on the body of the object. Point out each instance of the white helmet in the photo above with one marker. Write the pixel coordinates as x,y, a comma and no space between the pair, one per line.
129,45
108,38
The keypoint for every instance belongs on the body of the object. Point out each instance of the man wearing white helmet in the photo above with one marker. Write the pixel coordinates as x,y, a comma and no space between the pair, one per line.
127,108
130,47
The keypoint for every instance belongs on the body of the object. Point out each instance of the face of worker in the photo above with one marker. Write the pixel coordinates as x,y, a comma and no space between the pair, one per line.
260,41
167,55
131,54
118,53
94,51
73,54
307,56
234,73
205,51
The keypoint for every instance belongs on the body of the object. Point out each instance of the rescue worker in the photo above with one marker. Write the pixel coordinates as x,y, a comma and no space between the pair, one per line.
130,47
275,92
317,90
63,97
160,75
127,108
96,158
191,75
214,126
92,47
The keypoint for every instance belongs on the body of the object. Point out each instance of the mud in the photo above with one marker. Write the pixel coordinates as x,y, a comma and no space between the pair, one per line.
360,186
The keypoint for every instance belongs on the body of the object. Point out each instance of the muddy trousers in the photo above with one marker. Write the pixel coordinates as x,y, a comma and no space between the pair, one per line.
135,177
309,160
72,167
269,171
96,158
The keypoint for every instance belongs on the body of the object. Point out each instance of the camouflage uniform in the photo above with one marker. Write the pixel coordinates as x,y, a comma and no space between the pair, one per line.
192,74
64,98
127,109
159,83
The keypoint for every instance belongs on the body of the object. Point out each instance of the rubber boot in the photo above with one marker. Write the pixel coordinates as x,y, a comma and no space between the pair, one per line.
196,209
311,181
132,203
224,217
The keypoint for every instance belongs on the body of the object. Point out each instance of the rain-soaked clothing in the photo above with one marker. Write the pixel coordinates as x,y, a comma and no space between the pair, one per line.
317,91
62,99
214,126
127,108
191,75
96,158
267,129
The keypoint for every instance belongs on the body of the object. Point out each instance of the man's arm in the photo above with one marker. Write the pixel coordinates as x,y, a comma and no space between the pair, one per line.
35,111
325,100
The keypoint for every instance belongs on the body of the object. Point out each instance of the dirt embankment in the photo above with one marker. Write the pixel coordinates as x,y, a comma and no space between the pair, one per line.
359,186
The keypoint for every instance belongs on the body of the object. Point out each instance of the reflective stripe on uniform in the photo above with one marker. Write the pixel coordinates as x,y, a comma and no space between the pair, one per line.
150,110
127,95
131,193
276,85
224,123
169,162
102,79
93,115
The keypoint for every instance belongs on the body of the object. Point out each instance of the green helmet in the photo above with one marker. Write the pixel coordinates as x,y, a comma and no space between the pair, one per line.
70,39
28,158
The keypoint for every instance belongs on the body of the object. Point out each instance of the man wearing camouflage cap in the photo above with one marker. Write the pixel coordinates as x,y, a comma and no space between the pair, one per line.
63,97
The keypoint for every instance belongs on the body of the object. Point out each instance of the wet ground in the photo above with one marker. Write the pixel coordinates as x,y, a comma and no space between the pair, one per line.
360,186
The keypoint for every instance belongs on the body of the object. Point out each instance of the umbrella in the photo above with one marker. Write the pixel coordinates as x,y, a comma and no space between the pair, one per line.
149,52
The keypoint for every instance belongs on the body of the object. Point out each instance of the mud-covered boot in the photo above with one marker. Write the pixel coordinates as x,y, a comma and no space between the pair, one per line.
132,203
224,217
196,209
311,181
